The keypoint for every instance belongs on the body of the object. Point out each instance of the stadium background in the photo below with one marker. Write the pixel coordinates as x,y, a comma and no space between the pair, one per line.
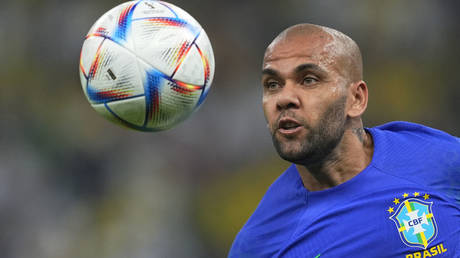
74,185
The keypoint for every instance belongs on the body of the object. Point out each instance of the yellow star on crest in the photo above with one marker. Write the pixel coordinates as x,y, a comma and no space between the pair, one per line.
396,201
390,209
416,194
405,195
426,196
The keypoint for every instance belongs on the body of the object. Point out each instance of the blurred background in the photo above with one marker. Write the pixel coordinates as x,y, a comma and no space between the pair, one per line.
74,185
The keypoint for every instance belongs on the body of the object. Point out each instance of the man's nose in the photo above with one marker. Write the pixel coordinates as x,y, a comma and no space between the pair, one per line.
288,97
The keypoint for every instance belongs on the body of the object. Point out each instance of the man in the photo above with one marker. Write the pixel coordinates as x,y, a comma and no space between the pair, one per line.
388,191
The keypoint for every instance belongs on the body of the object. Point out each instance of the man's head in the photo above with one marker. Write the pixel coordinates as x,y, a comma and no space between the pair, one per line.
313,91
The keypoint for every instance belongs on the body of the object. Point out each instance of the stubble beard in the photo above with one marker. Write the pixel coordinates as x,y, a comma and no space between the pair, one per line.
320,140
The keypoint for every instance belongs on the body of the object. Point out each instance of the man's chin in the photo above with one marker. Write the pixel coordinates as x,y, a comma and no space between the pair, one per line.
289,149
293,154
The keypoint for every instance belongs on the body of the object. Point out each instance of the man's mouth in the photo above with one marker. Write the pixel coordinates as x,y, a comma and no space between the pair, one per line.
288,126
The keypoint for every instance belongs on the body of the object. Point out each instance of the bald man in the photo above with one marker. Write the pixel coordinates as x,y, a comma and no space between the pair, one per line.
387,191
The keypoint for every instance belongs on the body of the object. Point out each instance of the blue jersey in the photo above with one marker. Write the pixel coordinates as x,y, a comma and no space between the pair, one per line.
405,203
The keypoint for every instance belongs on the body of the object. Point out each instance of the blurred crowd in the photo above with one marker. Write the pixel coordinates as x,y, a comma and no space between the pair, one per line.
74,185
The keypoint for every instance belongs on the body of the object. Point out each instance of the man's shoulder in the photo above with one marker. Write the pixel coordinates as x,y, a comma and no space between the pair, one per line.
405,140
407,131
419,154
398,143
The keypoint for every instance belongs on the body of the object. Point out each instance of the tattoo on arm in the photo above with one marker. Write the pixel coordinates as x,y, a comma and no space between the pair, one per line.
359,132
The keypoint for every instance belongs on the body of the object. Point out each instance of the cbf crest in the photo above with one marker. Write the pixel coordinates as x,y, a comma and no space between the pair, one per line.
414,220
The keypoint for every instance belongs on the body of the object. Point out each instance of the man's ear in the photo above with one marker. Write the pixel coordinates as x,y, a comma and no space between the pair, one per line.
358,99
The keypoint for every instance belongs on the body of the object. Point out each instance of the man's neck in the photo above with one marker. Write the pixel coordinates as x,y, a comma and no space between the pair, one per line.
349,158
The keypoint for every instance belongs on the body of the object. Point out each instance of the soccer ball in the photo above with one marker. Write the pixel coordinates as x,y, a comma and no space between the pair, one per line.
146,65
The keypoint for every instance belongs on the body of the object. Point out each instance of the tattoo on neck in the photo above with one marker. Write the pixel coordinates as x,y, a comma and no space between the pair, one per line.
359,132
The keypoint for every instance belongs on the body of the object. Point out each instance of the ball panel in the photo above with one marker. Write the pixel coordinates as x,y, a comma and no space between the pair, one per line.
123,29
167,102
83,81
176,104
131,110
107,24
116,24
114,75
204,47
153,83
151,9
190,69
161,42
103,111
181,14
88,53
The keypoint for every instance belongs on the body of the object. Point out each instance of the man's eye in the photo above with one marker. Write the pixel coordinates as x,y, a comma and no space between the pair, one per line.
271,84
309,80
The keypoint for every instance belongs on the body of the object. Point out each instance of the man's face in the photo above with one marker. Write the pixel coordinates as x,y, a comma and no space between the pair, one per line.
304,97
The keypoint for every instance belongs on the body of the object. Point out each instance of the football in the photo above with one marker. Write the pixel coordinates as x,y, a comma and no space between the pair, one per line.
146,65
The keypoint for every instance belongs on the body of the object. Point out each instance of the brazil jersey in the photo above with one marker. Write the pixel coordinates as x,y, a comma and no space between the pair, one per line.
405,203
